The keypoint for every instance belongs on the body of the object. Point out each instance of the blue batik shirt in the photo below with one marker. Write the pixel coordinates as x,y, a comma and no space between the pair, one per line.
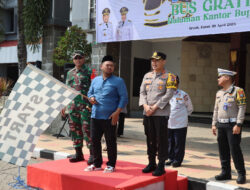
110,94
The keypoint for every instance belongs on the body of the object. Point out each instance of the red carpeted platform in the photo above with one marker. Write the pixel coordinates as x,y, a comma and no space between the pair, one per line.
63,175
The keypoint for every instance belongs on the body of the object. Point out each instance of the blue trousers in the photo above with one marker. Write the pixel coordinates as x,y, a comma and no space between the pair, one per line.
176,144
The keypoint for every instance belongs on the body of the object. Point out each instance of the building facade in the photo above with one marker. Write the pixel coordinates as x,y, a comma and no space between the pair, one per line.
8,47
194,59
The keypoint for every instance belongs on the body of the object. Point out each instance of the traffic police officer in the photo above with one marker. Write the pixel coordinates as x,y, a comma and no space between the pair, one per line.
78,78
124,30
156,90
228,117
105,28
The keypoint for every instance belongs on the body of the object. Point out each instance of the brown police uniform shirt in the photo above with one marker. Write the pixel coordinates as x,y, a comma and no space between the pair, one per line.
230,104
158,89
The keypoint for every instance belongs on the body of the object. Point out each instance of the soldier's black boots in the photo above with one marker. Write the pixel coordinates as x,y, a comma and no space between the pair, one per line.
91,157
78,156
223,176
149,168
160,169
241,179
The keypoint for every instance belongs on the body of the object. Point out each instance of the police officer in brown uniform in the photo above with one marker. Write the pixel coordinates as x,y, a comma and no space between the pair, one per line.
228,117
156,90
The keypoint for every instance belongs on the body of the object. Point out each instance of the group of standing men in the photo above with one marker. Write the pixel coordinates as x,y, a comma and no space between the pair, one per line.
99,105
107,95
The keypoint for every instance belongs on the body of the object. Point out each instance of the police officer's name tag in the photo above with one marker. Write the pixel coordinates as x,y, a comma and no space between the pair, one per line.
225,106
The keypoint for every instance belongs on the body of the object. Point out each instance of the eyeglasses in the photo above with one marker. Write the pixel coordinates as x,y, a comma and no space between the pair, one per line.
78,57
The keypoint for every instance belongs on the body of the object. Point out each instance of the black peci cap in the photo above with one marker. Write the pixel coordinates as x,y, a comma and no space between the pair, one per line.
107,58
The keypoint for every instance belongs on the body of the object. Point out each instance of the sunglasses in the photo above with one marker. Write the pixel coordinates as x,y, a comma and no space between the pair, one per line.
78,57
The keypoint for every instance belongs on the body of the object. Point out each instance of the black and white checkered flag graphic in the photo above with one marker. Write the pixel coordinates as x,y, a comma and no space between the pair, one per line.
35,101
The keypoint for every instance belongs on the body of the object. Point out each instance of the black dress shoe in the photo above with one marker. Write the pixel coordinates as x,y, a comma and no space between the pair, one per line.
223,176
149,168
160,170
168,162
176,164
241,179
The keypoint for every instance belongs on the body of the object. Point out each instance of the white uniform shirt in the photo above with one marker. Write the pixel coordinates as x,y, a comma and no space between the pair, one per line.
105,32
180,107
124,31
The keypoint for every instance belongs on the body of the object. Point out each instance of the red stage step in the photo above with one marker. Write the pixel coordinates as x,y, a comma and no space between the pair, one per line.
182,182
63,175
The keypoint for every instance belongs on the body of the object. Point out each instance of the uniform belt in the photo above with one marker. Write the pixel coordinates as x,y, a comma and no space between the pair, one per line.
231,120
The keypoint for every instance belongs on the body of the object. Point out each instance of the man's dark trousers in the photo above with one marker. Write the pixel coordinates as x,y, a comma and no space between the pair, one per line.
121,124
227,142
156,130
176,144
98,128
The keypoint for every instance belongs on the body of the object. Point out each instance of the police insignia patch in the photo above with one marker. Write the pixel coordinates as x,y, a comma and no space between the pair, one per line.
171,82
241,98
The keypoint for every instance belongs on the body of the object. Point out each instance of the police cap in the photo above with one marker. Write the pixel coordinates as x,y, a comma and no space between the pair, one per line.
225,72
159,55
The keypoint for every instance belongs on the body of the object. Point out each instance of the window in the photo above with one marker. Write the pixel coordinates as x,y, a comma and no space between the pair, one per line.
141,67
92,14
9,20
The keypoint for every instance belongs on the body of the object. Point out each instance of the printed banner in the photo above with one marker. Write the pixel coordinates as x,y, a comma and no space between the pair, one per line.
122,20
35,101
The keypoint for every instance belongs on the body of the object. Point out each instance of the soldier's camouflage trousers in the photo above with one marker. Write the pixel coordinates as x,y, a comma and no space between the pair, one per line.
79,124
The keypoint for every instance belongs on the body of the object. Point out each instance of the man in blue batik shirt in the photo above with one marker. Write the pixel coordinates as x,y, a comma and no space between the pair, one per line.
108,95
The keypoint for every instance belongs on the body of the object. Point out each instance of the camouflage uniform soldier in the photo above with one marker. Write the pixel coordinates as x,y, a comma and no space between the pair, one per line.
79,109
228,117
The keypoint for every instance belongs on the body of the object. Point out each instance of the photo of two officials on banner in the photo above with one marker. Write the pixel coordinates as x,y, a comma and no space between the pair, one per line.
124,29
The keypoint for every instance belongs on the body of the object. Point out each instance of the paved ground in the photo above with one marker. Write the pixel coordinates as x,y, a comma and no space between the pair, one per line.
201,159
9,173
